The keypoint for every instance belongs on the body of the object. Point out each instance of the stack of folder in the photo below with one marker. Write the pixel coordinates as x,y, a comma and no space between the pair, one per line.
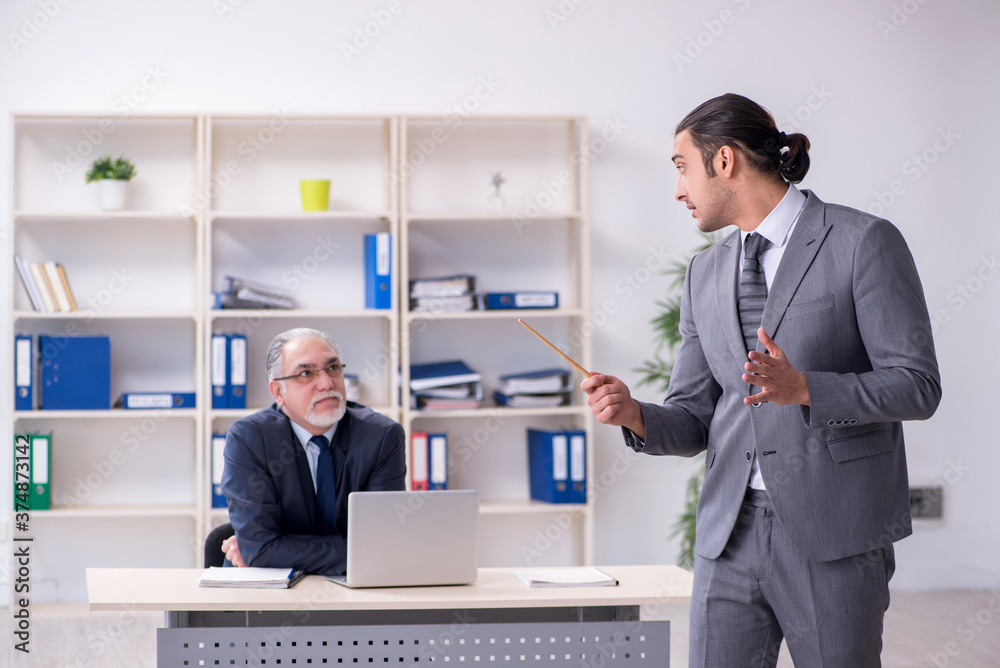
445,294
557,465
445,385
428,461
543,388
228,367
244,294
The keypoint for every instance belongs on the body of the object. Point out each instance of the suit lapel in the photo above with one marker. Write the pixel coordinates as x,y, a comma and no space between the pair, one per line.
727,264
808,236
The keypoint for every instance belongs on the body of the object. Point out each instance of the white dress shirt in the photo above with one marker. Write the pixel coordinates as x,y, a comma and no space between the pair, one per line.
777,228
312,450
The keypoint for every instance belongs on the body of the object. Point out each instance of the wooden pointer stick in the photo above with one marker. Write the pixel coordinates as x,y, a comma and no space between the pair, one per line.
586,374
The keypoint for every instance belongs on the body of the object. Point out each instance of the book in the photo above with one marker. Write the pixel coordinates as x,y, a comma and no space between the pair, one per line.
250,295
542,381
55,282
44,291
147,400
65,283
250,577
443,286
573,576
34,296
450,304
440,374
532,400
525,299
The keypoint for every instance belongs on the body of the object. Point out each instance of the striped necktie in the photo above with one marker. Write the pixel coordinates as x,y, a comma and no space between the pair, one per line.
753,289
326,492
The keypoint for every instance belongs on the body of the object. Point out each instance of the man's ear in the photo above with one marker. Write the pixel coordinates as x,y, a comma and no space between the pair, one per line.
725,161
275,387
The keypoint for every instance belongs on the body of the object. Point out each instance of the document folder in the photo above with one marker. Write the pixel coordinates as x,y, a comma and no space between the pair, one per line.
218,461
378,270
75,373
438,461
220,371
150,400
237,371
23,368
548,465
38,496
419,460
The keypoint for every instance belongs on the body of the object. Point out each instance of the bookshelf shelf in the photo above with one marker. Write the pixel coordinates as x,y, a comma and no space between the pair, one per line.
113,414
479,217
143,217
529,508
295,216
95,512
297,314
91,314
499,314
502,413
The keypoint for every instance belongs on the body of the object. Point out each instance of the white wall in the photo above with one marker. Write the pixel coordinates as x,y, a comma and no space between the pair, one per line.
872,83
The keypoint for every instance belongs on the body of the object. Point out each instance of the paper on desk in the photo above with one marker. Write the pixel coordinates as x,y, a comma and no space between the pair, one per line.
577,576
270,578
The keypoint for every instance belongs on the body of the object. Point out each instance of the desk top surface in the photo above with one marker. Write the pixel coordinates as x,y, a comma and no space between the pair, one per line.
176,589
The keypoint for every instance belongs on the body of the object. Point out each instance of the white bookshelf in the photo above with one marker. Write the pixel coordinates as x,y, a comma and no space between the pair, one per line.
540,241
217,196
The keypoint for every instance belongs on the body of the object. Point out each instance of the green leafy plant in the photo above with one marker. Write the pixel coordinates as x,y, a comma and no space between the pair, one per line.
117,169
656,372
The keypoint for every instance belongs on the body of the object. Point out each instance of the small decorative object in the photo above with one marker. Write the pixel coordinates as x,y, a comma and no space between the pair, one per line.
496,201
112,176
315,195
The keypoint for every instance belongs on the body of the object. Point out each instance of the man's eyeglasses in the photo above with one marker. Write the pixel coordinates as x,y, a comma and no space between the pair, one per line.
306,376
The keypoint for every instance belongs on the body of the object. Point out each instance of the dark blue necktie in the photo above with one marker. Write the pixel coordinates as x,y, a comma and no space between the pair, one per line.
326,490
753,289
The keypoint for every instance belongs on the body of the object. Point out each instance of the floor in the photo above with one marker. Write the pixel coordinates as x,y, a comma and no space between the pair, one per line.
956,629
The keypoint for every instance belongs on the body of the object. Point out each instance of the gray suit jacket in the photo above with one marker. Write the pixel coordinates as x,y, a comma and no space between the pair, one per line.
847,308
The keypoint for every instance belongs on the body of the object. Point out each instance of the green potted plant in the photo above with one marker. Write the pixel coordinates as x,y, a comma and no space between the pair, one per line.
656,372
112,175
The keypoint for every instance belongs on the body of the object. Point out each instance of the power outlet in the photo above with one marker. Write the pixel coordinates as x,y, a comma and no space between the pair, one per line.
926,503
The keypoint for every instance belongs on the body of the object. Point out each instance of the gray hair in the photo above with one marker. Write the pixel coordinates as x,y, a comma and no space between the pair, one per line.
275,351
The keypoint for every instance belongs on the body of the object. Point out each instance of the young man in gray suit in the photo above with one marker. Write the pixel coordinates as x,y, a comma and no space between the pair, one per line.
289,468
804,346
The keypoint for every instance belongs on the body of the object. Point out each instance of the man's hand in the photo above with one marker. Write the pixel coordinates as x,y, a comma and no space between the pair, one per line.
611,403
775,375
232,551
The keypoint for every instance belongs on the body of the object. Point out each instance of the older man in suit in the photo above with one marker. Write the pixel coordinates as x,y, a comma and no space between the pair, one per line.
805,342
289,468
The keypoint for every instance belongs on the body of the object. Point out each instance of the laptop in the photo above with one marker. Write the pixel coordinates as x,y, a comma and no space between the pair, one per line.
410,539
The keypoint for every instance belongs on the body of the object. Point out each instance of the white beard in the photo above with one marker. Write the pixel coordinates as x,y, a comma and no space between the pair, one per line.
329,417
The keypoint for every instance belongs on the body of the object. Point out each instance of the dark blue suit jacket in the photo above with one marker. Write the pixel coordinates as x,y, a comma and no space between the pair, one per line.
272,503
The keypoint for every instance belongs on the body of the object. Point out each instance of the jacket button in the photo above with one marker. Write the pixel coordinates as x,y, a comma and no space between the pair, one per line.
749,455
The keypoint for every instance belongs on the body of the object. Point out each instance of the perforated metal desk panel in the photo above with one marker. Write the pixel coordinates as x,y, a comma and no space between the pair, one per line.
497,620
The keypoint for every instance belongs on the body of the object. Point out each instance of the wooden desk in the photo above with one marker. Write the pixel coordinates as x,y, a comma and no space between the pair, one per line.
496,620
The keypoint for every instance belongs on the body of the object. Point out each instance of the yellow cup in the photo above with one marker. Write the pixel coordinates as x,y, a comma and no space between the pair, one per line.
315,195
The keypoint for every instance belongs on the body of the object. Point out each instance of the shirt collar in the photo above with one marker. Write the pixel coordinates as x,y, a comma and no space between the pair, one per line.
776,225
304,436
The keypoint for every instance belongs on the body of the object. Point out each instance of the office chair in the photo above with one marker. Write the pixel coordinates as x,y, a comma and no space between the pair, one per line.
214,556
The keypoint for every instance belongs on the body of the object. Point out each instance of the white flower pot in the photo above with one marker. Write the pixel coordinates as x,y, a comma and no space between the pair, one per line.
114,194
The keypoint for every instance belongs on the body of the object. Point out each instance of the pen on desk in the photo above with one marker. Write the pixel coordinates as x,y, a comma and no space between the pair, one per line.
586,374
